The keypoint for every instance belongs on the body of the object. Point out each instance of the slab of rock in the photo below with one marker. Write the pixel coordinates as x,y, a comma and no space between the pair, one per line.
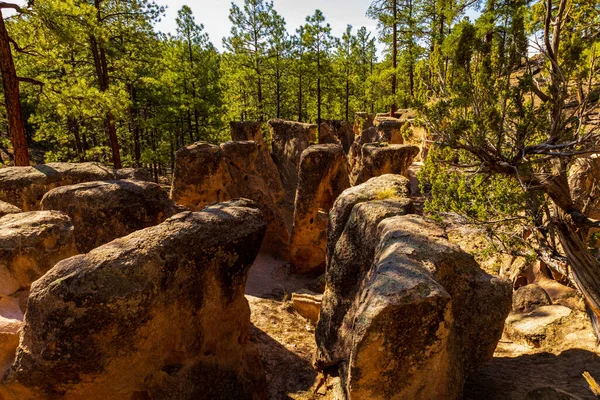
206,174
107,210
323,176
390,129
24,187
532,328
528,298
378,160
290,139
6,208
307,304
250,131
158,314
405,314
30,244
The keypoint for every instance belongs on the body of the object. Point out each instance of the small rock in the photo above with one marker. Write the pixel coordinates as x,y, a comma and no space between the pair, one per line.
530,297
307,304
6,208
532,327
9,341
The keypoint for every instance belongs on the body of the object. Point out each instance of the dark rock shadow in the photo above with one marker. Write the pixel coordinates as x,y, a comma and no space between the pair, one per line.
514,378
287,373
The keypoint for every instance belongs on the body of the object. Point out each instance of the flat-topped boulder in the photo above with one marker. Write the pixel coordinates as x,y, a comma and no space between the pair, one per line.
24,187
390,130
206,173
290,139
250,131
6,208
158,314
107,210
377,159
323,176
30,244
336,132
405,314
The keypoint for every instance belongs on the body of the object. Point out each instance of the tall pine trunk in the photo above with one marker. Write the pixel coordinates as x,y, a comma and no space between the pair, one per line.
394,56
10,83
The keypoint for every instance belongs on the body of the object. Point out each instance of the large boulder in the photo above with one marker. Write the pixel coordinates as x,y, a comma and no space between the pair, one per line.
30,244
158,314
323,176
205,174
390,130
24,187
290,139
336,132
107,210
406,314
6,208
377,159
250,131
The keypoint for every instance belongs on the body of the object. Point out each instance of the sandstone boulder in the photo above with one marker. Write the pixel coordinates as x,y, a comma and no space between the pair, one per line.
24,187
6,208
378,160
405,314
337,132
362,121
159,314
290,139
307,304
250,131
528,298
323,176
390,130
205,174
104,211
30,244
533,327
9,341
138,174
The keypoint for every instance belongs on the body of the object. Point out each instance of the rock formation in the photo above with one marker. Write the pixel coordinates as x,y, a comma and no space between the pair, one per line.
389,130
336,132
362,121
377,159
24,187
405,314
6,208
107,210
250,131
290,139
528,298
160,314
205,174
30,244
323,176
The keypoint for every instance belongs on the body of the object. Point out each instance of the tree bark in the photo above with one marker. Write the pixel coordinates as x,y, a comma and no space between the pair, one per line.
10,83
394,56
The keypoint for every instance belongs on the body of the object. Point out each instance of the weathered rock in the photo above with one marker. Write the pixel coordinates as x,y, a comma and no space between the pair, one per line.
206,174
530,297
307,304
290,139
107,210
250,131
9,341
138,174
406,314
30,244
378,160
336,132
24,187
323,176
6,208
549,393
390,130
533,327
159,314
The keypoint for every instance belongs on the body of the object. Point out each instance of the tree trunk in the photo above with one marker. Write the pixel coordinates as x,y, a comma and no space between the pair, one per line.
300,98
101,66
394,56
10,83
73,126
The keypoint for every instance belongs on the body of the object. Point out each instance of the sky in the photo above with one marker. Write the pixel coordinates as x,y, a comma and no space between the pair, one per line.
214,15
